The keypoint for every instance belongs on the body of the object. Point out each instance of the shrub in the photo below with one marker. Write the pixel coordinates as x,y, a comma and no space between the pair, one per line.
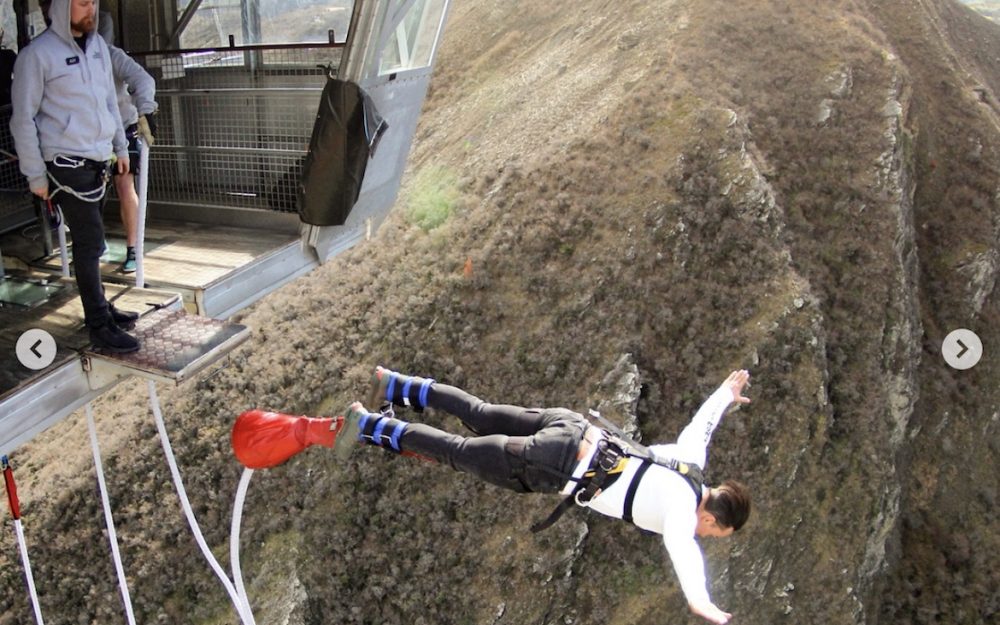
433,196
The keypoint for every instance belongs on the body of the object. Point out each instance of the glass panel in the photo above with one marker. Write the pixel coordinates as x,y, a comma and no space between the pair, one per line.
304,21
265,22
412,41
26,293
212,24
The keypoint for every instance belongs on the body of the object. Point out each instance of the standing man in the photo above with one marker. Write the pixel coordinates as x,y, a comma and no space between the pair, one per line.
540,450
67,132
136,91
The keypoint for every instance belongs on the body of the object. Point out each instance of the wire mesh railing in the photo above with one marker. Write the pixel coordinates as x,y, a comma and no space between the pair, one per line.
14,194
234,123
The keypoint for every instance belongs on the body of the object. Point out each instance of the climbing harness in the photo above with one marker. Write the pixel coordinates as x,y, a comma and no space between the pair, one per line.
614,449
605,468
96,194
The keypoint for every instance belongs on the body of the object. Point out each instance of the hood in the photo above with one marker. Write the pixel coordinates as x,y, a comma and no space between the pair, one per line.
59,14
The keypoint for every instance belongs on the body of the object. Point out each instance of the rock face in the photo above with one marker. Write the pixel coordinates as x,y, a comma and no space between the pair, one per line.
653,194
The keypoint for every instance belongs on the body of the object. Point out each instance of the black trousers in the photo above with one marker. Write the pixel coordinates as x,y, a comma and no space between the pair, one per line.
521,449
86,223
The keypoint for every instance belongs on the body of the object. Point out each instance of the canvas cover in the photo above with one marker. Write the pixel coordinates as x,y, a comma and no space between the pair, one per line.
347,131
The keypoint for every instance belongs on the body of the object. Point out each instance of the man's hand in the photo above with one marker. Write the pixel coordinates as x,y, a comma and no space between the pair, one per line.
707,610
122,165
735,383
147,129
42,192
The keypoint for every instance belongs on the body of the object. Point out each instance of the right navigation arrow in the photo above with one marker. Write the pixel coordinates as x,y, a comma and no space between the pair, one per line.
964,348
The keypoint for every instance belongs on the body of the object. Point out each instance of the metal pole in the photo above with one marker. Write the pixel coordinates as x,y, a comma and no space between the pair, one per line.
63,252
140,226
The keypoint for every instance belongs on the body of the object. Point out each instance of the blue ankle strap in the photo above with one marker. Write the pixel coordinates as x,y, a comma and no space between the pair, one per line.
361,425
406,391
377,433
424,389
390,387
397,432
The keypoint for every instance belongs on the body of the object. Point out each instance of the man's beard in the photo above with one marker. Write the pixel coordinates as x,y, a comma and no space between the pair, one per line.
84,26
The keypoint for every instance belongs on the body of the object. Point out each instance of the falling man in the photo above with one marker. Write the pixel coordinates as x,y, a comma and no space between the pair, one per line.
539,450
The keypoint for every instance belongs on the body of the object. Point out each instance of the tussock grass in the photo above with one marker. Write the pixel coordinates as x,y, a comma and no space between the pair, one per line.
434,196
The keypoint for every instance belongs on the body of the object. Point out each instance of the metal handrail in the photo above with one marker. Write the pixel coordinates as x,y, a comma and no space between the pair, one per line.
246,48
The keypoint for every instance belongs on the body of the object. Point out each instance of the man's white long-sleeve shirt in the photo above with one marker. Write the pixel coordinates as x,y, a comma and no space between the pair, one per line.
664,502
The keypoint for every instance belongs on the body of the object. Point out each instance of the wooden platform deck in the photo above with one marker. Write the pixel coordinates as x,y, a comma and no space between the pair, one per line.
216,269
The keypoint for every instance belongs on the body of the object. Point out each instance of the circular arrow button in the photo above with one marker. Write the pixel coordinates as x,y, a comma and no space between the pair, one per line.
962,349
36,349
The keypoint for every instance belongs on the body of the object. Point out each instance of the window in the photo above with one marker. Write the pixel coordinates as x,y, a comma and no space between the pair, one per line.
411,43
252,22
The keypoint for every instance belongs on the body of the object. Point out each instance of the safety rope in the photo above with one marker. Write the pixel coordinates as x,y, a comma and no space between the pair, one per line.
234,537
15,511
109,518
68,162
241,607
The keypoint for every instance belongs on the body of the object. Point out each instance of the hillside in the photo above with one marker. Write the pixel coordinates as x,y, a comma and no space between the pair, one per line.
672,189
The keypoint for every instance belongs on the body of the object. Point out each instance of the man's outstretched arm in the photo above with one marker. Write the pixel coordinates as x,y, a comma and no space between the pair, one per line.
694,440
689,564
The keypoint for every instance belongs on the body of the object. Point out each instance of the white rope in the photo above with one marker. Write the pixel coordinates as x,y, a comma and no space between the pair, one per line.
234,538
140,226
27,570
71,162
109,518
244,613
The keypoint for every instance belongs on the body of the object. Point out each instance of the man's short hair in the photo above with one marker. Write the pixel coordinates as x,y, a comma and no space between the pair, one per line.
729,504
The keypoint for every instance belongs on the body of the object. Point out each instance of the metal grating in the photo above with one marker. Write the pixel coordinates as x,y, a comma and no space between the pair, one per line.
174,345
234,124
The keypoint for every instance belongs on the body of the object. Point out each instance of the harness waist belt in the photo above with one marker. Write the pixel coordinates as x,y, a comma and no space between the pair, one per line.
66,161
605,468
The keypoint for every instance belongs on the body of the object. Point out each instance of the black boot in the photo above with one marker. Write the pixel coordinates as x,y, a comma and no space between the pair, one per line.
109,337
125,319
402,390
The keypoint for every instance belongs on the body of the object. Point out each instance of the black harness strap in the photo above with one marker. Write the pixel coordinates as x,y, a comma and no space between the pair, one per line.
605,469
554,516
691,473
632,488
613,452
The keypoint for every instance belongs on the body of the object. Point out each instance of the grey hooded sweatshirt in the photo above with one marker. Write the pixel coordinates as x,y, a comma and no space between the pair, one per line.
64,100
136,88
